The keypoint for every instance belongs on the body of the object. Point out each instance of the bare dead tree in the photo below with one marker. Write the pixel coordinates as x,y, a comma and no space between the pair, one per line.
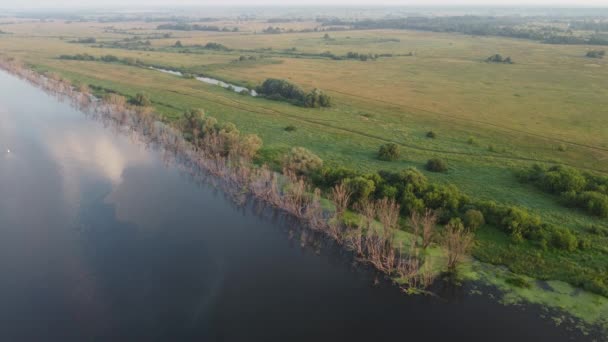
388,213
457,243
340,196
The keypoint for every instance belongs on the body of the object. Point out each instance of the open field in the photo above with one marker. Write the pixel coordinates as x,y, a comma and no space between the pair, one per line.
550,106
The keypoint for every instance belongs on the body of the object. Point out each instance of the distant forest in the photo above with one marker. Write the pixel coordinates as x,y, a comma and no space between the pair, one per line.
550,32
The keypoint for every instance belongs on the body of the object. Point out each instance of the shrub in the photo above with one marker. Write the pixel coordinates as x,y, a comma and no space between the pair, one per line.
431,134
389,152
442,197
413,180
329,177
473,219
436,165
110,59
141,99
360,187
564,239
595,54
291,128
519,282
250,145
302,161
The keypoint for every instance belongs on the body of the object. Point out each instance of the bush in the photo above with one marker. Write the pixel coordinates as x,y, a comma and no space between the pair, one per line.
436,165
302,161
388,152
595,54
473,219
431,134
110,59
519,282
564,239
329,177
291,128
360,187
141,99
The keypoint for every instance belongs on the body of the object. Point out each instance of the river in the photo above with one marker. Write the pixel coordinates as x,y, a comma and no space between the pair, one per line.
101,239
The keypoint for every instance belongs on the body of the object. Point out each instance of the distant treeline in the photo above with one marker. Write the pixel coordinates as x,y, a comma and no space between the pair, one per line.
89,40
105,58
589,25
208,46
515,27
195,27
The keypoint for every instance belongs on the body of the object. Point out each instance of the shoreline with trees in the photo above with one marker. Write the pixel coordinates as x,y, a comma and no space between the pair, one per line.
219,149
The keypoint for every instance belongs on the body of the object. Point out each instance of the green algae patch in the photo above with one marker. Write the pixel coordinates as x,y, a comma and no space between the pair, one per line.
591,309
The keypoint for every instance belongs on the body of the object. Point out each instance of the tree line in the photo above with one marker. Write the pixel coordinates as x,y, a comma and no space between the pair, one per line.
195,27
515,27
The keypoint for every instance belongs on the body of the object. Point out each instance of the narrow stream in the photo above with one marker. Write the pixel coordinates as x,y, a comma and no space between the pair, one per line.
208,80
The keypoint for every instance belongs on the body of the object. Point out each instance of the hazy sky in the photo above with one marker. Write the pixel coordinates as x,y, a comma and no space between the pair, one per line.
105,3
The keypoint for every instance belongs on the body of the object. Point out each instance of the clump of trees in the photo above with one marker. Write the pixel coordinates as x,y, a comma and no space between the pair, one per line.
89,40
247,58
575,188
215,46
284,90
362,56
272,30
389,152
497,58
316,99
596,54
222,139
414,193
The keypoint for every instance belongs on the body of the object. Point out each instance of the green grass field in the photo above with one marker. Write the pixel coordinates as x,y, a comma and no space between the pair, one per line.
551,106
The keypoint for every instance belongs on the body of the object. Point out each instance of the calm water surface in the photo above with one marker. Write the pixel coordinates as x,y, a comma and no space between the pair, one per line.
213,81
100,240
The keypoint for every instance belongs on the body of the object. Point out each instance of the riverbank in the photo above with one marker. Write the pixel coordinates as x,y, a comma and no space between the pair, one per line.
291,194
